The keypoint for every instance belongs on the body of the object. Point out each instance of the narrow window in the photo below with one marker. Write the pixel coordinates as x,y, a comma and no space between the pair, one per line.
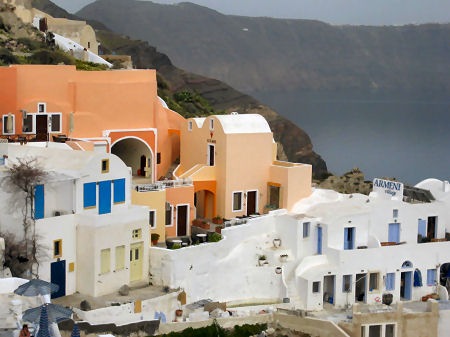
347,283
390,281
390,330
105,165
316,287
57,248
158,158
211,124
395,213
306,227
237,201
119,190
373,281
375,331
120,257
190,126
211,155
89,44
8,124
431,277
152,218
105,261
169,212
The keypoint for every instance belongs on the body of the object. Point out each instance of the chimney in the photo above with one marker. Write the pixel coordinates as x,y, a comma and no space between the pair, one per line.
446,186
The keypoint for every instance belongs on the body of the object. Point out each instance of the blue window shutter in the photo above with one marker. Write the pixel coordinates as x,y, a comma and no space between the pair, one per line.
431,277
119,190
104,197
89,195
39,202
390,281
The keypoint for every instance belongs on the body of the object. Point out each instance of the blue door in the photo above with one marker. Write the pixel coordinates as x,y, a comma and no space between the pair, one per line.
394,232
349,237
319,240
58,276
39,202
104,197
406,285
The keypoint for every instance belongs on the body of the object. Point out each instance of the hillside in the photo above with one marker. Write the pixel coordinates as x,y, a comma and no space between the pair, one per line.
204,95
262,54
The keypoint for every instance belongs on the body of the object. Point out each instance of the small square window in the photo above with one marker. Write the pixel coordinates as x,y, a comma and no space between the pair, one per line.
57,248
395,213
158,158
316,287
42,107
152,218
136,234
105,165
306,227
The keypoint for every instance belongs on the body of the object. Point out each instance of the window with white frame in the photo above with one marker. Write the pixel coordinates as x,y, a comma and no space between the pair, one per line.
55,122
378,330
373,281
237,201
42,107
27,126
152,218
211,124
431,277
347,283
306,228
9,124
390,281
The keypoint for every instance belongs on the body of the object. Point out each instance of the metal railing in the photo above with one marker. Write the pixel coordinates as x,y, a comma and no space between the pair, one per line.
163,184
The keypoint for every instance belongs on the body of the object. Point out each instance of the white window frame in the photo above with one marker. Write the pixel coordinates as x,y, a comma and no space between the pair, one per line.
154,218
4,121
242,201
350,288
377,281
33,124
187,216
50,122
44,105
365,328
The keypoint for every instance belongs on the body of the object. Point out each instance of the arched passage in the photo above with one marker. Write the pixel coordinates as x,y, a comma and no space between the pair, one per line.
136,154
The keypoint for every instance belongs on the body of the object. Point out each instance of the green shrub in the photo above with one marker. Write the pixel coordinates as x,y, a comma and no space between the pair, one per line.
214,237
44,56
6,57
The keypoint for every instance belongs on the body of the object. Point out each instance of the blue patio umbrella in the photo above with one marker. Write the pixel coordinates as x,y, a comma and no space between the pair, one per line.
36,287
55,313
75,331
43,323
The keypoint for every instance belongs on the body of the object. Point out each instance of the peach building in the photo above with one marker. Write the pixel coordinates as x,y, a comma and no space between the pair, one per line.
231,160
119,111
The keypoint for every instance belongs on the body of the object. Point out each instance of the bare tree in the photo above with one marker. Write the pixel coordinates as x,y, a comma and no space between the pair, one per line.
21,181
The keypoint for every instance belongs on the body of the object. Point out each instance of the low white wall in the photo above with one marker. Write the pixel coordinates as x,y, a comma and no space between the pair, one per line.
443,325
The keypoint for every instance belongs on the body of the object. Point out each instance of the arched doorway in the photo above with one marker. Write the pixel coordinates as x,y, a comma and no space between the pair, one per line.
204,201
136,154
406,281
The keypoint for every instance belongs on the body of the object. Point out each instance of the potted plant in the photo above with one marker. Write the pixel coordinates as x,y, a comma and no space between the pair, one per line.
261,259
277,242
278,270
218,229
283,257
176,245
218,220
154,238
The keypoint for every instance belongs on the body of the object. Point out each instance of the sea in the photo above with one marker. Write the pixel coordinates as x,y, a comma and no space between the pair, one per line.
400,136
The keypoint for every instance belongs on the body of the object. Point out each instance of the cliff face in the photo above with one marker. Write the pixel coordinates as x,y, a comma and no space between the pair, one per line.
263,54
293,143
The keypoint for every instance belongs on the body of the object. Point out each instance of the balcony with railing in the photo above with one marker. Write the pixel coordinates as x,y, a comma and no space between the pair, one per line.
162,185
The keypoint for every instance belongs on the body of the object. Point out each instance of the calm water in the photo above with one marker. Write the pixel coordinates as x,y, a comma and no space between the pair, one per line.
402,137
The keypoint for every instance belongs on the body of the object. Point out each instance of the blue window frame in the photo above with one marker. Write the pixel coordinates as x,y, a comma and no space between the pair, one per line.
349,238
390,281
39,202
431,277
119,190
89,195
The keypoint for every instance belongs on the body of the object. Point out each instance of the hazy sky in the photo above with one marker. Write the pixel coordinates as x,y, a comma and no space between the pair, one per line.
369,12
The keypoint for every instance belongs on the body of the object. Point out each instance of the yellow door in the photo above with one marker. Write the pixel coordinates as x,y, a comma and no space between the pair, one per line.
136,261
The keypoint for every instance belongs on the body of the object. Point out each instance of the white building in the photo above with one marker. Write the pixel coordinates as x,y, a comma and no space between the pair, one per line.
93,240
335,249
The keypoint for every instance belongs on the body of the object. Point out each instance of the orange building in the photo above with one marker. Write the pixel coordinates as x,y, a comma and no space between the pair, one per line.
119,111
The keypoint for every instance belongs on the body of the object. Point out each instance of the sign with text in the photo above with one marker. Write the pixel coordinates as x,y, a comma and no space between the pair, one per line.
388,188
